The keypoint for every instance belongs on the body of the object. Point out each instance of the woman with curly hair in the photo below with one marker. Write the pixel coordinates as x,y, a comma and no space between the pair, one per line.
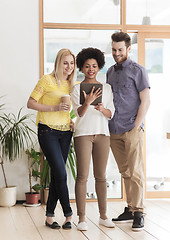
91,138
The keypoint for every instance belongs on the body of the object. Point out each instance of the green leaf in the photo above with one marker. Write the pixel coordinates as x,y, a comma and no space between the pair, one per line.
72,168
45,175
37,187
36,174
15,134
72,115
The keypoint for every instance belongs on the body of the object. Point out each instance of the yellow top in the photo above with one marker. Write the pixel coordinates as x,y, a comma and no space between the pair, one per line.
49,92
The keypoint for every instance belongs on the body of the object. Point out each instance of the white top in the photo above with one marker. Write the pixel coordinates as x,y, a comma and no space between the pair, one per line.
92,122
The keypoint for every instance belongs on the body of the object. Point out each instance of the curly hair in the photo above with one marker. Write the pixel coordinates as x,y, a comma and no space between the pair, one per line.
90,53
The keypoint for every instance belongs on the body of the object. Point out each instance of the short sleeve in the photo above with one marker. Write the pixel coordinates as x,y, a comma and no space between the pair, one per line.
141,79
40,89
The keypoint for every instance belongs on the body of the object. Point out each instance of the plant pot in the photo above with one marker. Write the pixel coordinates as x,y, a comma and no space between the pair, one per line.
8,196
46,192
32,198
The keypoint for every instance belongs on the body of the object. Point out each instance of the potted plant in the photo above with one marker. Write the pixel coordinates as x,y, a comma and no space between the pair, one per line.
34,165
34,162
15,135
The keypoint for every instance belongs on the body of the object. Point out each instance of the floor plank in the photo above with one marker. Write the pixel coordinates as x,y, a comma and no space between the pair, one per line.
7,227
38,217
126,227
67,234
94,232
113,233
27,223
158,217
25,227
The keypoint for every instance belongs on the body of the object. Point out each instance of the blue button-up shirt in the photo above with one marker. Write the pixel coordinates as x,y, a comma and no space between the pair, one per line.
126,85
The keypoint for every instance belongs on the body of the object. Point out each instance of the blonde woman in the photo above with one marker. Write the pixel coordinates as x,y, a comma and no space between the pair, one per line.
54,130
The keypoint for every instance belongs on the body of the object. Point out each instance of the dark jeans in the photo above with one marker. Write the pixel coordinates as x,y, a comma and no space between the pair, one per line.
55,146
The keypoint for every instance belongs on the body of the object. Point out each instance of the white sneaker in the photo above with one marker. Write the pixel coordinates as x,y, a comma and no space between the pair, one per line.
107,223
82,226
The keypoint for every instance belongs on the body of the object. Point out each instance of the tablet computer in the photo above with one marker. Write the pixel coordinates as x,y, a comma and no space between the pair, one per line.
87,87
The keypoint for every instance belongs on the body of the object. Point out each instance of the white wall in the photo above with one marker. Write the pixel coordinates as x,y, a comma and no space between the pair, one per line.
19,70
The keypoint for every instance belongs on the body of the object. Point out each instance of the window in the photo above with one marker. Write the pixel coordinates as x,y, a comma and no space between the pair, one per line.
84,11
148,12
77,24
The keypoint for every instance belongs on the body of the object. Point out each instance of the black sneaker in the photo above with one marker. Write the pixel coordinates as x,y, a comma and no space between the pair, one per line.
126,216
138,222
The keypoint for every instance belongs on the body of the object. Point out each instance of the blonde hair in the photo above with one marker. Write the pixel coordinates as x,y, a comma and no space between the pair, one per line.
58,70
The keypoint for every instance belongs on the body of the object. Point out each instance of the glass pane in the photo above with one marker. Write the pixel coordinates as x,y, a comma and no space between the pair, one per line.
84,11
148,12
75,40
158,116
134,47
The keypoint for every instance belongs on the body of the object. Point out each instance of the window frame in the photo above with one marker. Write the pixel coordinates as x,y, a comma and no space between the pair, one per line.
139,29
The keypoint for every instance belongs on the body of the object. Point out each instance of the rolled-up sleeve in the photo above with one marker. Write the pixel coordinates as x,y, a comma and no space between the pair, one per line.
109,100
75,98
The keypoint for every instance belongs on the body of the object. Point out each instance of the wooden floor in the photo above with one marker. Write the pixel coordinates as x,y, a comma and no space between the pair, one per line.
27,223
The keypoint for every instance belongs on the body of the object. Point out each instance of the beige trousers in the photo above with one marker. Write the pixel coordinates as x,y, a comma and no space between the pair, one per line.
98,147
127,149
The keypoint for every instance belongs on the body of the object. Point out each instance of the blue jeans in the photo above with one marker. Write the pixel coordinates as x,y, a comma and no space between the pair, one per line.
55,146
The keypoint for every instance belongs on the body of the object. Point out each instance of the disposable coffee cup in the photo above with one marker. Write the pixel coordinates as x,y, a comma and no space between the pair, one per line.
65,99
